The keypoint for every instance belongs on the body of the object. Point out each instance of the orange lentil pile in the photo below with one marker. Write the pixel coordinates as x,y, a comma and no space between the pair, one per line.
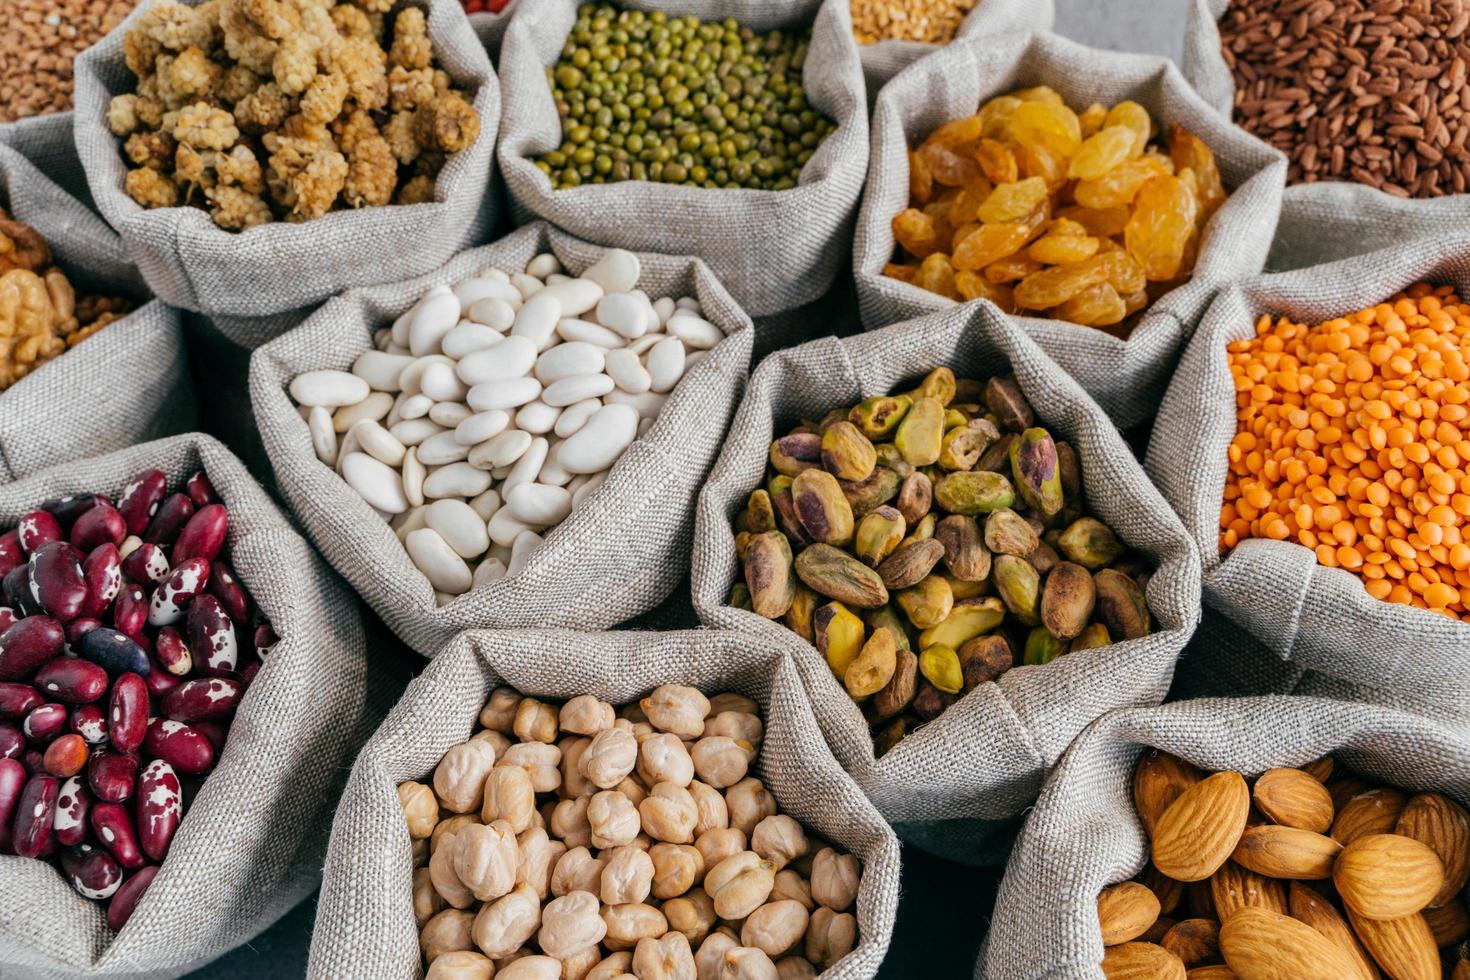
1352,440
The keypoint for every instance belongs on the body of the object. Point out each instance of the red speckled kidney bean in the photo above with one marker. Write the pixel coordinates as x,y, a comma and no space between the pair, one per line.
93,872
68,510
89,722
146,565
172,653
100,525
12,555
27,645
130,611
172,515
214,731
112,775
212,637
45,723
72,679
265,638
227,589
12,781
102,572
127,714
56,579
8,618
140,499
17,700
37,529
160,808
30,829
203,699
78,628
185,747
204,535
17,587
200,490
113,826
184,582
125,900
66,756
73,805
115,652
160,683
12,741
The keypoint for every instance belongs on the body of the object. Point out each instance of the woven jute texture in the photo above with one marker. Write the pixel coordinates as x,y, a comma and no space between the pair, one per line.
990,18
1325,220
1319,618
250,847
365,923
1125,376
127,383
1084,833
617,556
984,758
190,262
47,142
773,250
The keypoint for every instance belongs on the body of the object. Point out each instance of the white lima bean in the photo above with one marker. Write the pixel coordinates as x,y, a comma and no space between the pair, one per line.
534,381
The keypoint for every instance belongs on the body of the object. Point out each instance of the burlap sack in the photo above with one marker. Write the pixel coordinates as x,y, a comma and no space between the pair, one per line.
188,261
1126,377
773,250
490,29
990,18
1084,833
984,758
250,846
615,557
127,383
1322,221
47,142
1318,618
365,923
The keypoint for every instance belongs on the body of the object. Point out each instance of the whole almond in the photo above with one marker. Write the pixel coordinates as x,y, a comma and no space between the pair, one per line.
1344,787
1193,940
1125,911
1158,930
1292,798
1404,947
1215,971
1321,770
1375,811
1168,891
1141,961
1197,832
1450,923
1462,971
1443,826
1157,782
1286,852
1259,943
1387,876
1306,904
1234,888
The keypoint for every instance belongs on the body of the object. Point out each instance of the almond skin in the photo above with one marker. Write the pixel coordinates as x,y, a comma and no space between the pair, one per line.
1443,826
1125,911
1259,944
1307,905
1292,798
1158,780
1141,961
1216,971
1196,834
1234,888
1321,770
1286,852
1168,891
1450,924
1193,940
1462,971
1375,811
1403,947
1386,876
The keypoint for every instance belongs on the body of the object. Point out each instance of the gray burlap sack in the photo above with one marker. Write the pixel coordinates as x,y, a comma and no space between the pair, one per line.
885,59
47,142
127,383
188,261
1084,833
490,29
1326,220
615,557
984,758
251,844
773,250
1318,618
1125,376
365,922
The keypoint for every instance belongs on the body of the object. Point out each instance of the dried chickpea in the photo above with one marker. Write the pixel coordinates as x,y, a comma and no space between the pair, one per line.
494,739
420,809
610,758
791,885
446,932
731,701
667,957
835,879
459,779
445,877
570,924
748,963
577,871
676,869
508,796
613,820
750,803
539,856
830,936
626,924
534,721
710,802
612,967
709,960
532,968
569,822
692,913
634,790
427,902
485,859
662,758
779,839
740,725
572,781
681,710
721,761
505,925
795,968
740,884
669,814
450,827
627,877
499,713
578,965
542,763
717,844
775,927
461,965
586,715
